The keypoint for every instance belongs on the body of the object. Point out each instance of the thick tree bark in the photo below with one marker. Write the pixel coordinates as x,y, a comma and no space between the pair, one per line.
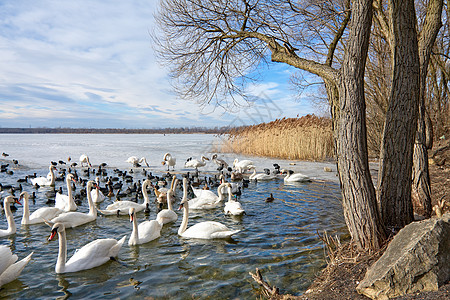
394,184
359,200
421,190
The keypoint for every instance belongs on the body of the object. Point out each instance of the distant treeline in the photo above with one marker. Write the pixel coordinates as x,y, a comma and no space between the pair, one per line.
187,130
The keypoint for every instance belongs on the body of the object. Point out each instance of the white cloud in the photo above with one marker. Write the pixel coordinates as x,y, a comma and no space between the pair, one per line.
66,60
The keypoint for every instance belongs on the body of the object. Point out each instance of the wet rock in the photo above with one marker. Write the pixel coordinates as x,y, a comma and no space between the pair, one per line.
416,260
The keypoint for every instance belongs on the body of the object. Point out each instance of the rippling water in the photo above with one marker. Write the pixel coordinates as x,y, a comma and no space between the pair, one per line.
280,238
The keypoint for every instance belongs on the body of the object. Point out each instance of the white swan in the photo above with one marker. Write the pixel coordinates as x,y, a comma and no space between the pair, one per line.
123,207
145,232
96,194
202,230
243,165
169,160
9,217
294,177
144,160
72,218
136,162
167,215
218,161
232,206
39,215
66,202
45,181
260,176
89,256
9,268
84,159
207,199
195,163
132,160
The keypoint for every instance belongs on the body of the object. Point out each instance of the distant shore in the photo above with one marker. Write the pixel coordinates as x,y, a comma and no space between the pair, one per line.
183,130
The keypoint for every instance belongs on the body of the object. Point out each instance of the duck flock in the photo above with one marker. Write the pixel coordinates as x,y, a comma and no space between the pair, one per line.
113,192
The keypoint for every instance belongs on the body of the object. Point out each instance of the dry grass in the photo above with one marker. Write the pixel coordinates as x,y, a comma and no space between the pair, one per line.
306,138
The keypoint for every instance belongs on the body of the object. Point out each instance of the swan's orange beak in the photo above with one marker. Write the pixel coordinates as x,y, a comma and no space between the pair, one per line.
52,235
180,207
131,217
17,201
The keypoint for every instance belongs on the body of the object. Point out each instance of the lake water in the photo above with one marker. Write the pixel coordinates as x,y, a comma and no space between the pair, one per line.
279,238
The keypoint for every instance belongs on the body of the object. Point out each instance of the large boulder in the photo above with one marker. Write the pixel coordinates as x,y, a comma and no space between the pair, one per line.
416,260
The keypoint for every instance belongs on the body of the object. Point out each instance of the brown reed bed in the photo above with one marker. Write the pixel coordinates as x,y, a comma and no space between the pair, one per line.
306,138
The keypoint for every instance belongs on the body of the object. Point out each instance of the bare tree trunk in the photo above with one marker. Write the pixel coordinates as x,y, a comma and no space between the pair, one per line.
359,199
394,184
421,190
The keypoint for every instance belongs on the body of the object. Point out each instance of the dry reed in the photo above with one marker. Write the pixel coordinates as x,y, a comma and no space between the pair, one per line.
306,138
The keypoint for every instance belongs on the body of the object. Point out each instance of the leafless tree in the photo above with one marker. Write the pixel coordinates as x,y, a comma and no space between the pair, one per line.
214,48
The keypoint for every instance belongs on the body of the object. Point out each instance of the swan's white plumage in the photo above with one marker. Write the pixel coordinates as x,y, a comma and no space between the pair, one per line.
45,181
66,202
202,230
9,217
243,165
132,160
89,256
123,207
260,176
73,219
232,207
9,268
294,177
144,232
169,160
135,161
195,163
84,159
97,196
167,215
207,199
39,215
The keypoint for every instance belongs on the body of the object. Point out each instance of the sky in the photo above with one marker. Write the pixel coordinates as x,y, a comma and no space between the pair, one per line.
90,64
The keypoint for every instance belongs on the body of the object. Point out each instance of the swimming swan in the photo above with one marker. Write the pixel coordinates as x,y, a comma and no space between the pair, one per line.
202,230
9,217
96,194
260,176
66,202
45,181
123,207
144,232
72,218
9,268
297,177
39,215
89,256
167,215
232,206
207,199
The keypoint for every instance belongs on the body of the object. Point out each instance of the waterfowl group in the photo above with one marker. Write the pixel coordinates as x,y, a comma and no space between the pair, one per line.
209,195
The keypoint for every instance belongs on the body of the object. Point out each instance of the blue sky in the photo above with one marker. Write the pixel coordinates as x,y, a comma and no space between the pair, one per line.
90,64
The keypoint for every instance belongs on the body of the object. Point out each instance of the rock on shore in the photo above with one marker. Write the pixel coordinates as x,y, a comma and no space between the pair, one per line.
416,260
